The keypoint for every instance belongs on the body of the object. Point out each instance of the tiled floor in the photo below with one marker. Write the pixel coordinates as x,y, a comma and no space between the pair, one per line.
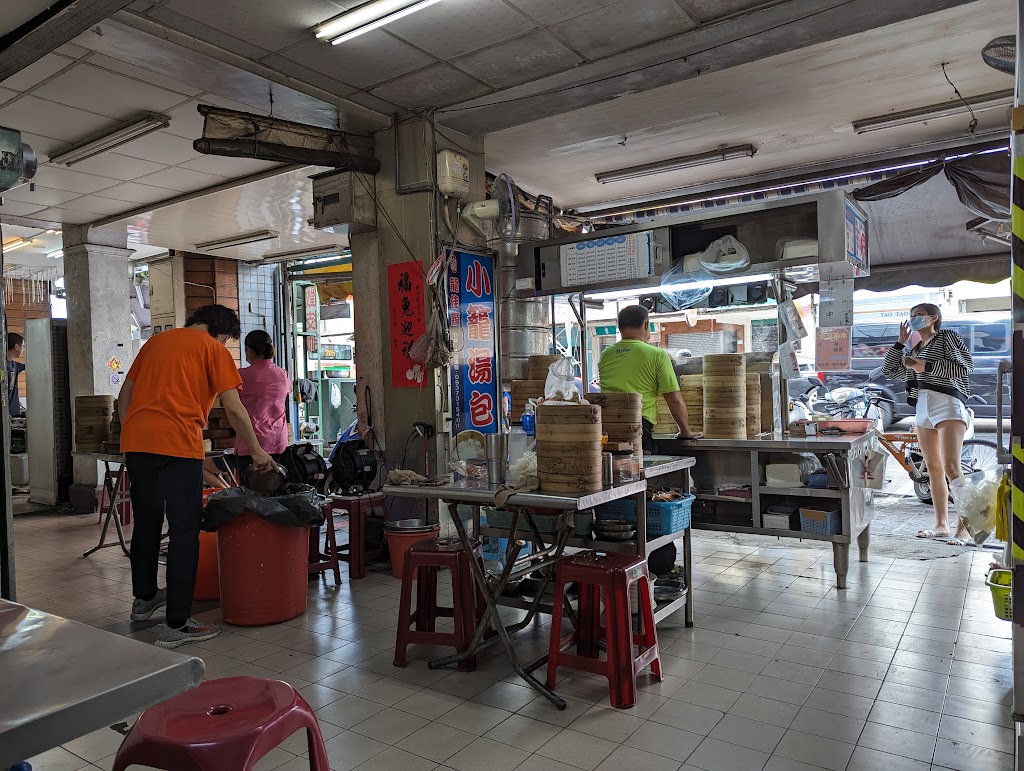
906,669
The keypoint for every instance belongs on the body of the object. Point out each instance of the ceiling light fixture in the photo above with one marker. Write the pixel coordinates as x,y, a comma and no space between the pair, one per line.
56,254
676,164
16,243
307,256
367,17
128,131
951,109
240,240
622,294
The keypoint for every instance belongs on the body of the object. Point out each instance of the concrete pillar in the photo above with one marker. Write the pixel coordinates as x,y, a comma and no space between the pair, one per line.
97,276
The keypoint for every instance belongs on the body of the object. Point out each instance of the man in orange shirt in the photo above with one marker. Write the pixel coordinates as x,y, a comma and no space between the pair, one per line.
164,403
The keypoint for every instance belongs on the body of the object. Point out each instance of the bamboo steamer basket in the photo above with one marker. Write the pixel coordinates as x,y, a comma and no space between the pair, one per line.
692,389
522,392
753,402
569,450
537,366
725,409
621,417
93,416
666,424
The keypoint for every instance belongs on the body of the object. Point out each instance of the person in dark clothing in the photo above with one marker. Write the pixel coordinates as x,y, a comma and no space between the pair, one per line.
15,350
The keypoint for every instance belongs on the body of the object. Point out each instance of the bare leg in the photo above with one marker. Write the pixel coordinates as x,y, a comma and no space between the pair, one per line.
951,445
862,542
841,561
928,438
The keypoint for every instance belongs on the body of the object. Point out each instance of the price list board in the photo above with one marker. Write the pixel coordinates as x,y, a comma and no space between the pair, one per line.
600,260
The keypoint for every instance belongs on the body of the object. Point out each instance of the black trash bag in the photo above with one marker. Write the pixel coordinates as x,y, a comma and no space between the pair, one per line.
296,506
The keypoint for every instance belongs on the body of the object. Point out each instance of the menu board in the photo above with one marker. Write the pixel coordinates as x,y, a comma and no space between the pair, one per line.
832,349
613,258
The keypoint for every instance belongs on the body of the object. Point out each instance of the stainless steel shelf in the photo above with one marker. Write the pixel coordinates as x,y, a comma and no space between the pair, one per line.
800,492
723,498
771,531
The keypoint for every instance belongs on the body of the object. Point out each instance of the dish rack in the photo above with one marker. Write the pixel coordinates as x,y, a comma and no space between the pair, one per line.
662,517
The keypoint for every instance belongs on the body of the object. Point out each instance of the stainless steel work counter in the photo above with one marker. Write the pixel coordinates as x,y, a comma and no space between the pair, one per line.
743,461
60,679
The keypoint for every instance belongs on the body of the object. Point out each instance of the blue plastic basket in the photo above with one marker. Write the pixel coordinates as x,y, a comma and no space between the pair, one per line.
662,518
821,522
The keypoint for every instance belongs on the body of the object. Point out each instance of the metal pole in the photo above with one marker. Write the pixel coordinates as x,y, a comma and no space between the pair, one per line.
1017,394
7,582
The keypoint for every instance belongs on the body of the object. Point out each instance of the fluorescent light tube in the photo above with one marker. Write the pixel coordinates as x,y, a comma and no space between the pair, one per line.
367,17
675,164
621,294
56,254
951,109
16,243
132,129
240,240
328,251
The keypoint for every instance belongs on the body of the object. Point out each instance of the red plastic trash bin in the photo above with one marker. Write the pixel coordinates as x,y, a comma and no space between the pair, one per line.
263,570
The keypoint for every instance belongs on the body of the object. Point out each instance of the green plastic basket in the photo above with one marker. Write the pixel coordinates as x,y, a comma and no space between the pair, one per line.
1000,582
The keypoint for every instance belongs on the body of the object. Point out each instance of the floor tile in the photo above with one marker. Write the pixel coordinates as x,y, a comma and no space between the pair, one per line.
898,741
901,716
724,677
349,711
349,750
429,704
710,696
715,755
780,690
689,717
485,753
992,737
630,759
436,742
475,718
793,672
577,749
666,741
542,709
968,757
523,733
840,703
58,759
764,710
390,726
816,750
751,734
975,709
393,758
867,759
820,723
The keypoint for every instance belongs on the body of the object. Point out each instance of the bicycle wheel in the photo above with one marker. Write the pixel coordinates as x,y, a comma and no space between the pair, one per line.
980,455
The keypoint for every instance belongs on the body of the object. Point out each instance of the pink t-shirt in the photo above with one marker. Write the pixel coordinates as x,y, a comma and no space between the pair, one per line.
265,386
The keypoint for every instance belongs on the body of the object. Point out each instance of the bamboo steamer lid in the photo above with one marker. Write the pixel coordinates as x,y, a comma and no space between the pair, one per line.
537,366
583,413
724,362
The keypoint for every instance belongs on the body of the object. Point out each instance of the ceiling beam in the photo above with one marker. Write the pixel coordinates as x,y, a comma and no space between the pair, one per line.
52,28
768,31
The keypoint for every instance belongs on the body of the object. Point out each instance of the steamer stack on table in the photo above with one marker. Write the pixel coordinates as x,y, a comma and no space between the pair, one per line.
531,388
725,409
537,366
569,448
666,424
753,397
692,388
93,415
112,446
621,418
218,431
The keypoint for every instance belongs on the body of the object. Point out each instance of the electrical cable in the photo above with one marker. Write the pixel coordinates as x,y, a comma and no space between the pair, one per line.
974,118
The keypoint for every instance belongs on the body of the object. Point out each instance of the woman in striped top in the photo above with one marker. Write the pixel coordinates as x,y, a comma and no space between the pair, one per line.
936,371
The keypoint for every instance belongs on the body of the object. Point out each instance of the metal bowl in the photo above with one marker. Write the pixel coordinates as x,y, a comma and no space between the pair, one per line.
265,482
410,526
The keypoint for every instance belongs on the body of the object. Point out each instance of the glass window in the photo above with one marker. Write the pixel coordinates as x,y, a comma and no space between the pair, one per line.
873,340
990,339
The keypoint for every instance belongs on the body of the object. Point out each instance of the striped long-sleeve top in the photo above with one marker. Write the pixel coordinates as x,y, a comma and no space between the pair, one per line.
947,366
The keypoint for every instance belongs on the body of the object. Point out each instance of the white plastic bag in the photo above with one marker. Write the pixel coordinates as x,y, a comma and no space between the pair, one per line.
975,498
726,255
561,381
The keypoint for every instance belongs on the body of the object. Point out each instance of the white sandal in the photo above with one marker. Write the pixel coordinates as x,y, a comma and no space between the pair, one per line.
930,534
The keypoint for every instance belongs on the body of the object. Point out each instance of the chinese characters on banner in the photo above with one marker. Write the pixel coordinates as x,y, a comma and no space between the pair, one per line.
832,349
475,404
408,322
310,300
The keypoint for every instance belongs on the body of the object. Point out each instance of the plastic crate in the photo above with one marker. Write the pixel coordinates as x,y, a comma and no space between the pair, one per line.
662,518
502,520
775,521
821,522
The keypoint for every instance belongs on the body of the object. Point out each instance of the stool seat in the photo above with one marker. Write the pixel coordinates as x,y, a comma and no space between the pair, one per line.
223,724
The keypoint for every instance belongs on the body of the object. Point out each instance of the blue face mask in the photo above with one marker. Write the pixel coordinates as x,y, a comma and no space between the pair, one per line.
917,323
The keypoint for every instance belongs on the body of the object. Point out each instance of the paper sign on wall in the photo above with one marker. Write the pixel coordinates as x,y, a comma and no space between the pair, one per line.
408,322
836,303
832,349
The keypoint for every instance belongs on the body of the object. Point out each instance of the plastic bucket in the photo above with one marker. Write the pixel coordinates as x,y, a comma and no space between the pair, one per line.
999,581
399,543
208,573
263,571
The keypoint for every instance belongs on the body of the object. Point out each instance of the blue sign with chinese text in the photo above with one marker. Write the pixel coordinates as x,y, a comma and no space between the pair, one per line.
474,384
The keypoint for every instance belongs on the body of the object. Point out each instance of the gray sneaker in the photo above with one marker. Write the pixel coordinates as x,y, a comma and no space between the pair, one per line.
143,609
192,632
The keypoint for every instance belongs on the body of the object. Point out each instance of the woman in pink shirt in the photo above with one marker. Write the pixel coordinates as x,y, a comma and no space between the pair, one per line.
265,389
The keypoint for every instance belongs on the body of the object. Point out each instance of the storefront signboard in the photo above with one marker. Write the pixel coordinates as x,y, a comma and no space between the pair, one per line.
408,321
474,392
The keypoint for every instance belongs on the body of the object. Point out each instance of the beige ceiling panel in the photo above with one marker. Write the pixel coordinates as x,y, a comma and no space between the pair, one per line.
107,93
43,196
65,216
456,27
363,61
41,69
161,147
229,168
526,58
548,12
73,181
13,208
72,51
270,24
6,96
154,79
226,40
117,166
44,146
95,204
709,10
186,121
181,180
37,116
435,86
621,26
309,75
133,192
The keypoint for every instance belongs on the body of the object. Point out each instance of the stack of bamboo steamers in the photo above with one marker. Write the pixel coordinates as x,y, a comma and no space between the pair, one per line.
569,447
93,415
531,388
726,408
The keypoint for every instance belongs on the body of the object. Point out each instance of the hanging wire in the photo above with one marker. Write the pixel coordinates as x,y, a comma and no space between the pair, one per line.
974,118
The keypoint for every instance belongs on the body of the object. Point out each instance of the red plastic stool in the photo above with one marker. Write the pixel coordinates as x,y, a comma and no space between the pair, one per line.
329,559
614,574
422,562
222,724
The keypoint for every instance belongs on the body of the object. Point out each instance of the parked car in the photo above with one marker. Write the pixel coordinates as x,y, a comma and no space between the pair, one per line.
988,341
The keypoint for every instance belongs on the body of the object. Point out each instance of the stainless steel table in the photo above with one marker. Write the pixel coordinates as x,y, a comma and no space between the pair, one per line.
60,679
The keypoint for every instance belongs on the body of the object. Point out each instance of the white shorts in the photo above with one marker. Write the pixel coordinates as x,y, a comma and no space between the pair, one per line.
934,408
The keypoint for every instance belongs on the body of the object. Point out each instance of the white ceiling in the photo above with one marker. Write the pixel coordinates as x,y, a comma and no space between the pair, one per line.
35,256
795,108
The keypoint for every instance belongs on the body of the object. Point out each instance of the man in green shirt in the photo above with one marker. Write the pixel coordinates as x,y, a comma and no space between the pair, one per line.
634,366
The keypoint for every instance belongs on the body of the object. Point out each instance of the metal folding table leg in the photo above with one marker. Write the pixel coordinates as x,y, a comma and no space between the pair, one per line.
113,491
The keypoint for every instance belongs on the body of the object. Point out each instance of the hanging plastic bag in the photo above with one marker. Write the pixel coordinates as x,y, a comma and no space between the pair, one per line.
683,289
726,255
561,382
976,499
868,470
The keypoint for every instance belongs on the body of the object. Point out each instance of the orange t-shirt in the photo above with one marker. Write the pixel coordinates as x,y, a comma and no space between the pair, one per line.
177,375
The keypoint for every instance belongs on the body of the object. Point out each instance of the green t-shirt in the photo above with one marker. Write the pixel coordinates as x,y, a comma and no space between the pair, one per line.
631,366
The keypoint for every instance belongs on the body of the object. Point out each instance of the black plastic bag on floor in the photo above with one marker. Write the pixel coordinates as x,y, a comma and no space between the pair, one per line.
295,506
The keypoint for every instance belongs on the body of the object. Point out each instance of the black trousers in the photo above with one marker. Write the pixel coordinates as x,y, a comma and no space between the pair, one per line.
162,485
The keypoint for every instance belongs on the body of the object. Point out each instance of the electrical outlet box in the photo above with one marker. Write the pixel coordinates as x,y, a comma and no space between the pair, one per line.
453,174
